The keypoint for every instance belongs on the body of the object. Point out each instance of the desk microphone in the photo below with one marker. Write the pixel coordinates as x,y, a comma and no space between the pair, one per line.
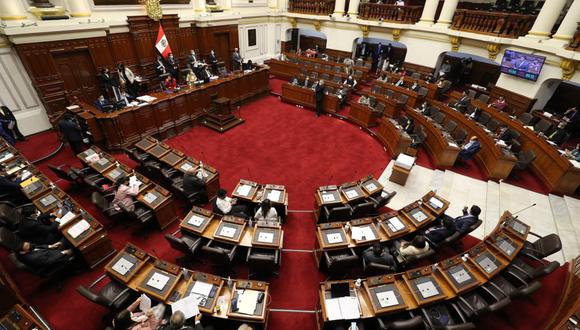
160,263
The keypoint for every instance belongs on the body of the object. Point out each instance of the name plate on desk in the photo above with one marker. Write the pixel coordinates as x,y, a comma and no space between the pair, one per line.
150,197
123,266
243,190
158,281
334,238
227,231
196,220
328,198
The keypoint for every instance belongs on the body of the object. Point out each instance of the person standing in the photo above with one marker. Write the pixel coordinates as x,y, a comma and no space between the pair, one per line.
11,126
72,133
127,79
236,60
319,95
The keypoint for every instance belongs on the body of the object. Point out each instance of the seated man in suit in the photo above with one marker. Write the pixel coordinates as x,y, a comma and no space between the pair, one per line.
342,93
470,149
227,206
463,102
416,86
9,184
505,134
475,114
195,184
438,233
463,222
378,255
39,229
101,103
42,257
407,123
416,247
558,134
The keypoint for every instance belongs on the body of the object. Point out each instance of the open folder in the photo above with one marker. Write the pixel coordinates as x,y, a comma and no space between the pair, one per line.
343,308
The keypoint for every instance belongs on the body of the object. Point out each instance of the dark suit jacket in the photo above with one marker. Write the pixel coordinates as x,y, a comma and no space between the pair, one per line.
438,234
476,113
467,154
507,136
38,231
42,259
409,125
8,186
384,259
463,102
462,223
319,91
193,184
212,59
557,135
70,130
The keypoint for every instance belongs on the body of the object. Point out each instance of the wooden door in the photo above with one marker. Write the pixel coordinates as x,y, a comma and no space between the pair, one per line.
78,73
222,47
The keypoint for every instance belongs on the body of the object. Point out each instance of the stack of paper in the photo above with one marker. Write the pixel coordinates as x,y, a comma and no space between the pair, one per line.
134,181
395,224
66,218
358,233
187,305
274,195
244,190
186,166
405,161
266,237
343,308
436,203
146,98
247,301
78,228
92,158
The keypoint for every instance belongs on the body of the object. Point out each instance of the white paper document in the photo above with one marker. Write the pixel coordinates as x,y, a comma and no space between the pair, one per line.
387,299
247,301
134,181
343,308
6,157
274,195
150,197
187,305
92,158
395,224
201,288
351,194
427,289
158,281
243,190
78,228
266,237
334,238
145,303
328,198
195,220
122,266
359,232
66,218
436,202
461,276
186,167
419,216
371,186
228,231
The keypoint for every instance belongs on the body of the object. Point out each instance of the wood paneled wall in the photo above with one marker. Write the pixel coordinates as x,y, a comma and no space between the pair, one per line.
516,103
311,42
44,60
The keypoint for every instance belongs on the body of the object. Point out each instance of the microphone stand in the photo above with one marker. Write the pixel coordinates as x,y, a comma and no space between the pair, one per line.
525,208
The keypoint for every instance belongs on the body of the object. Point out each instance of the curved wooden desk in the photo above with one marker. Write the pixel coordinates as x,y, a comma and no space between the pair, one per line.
497,162
393,137
414,98
446,280
305,97
431,87
364,69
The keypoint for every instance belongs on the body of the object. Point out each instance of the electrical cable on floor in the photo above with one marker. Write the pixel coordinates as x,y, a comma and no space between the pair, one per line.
49,155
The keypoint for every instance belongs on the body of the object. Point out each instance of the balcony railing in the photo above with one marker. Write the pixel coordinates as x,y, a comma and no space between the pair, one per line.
575,43
506,25
390,13
310,7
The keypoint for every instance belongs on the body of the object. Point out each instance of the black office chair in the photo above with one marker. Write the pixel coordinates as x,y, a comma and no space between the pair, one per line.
389,93
433,110
450,125
104,203
423,92
65,173
11,215
525,159
526,118
543,126
378,111
542,247
480,301
471,93
400,321
492,125
373,268
113,295
337,79
186,244
445,316
221,255
376,89
403,99
459,135
516,147
340,262
511,285
9,240
438,118
362,210
381,201
325,76
138,214
336,213
419,138
263,261
483,98
531,272
483,118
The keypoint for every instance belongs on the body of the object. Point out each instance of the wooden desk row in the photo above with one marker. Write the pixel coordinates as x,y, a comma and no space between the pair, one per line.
392,293
386,227
233,230
168,283
496,161
177,160
168,114
347,193
557,172
255,193
154,197
431,87
81,230
290,70
414,99
305,97
364,69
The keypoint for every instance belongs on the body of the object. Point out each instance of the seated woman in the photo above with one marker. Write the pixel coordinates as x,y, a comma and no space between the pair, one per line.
227,206
142,320
124,193
266,212
191,78
416,247
170,83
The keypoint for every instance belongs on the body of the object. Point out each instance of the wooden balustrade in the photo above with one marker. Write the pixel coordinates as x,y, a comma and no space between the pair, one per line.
575,43
390,13
506,25
318,7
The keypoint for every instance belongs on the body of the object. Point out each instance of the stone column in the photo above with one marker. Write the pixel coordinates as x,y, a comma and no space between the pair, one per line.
545,21
11,10
199,6
227,4
339,7
428,16
569,23
353,7
79,8
447,13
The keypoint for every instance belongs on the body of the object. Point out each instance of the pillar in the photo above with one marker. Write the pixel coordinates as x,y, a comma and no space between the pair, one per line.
569,23
447,13
353,7
200,6
79,8
12,10
273,4
428,15
339,7
545,21
227,4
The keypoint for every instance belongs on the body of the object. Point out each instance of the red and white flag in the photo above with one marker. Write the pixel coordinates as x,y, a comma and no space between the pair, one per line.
162,44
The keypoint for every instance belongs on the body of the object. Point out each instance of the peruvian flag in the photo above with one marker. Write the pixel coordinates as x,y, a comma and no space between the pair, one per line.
162,44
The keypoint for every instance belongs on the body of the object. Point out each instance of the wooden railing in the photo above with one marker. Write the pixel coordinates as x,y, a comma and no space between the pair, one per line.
506,25
575,43
311,7
390,13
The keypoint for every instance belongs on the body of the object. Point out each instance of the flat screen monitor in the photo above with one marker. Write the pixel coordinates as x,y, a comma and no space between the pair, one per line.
526,66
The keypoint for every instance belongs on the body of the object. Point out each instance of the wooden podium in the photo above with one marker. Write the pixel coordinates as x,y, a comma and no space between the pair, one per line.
221,118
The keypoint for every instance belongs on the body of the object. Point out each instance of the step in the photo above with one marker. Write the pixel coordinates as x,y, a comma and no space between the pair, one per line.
569,238
492,210
573,205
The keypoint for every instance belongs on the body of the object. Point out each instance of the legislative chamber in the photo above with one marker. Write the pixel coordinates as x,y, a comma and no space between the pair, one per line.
289,164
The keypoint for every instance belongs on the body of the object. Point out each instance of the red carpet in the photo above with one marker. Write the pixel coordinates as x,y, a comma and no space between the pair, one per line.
279,144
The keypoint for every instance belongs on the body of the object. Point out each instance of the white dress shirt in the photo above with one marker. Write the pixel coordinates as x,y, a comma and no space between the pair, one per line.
225,205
